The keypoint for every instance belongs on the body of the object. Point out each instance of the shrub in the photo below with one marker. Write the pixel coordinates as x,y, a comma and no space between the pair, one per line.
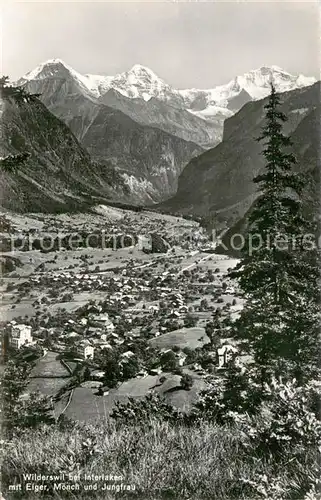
187,382
210,405
290,417
190,320
168,361
204,304
22,411
153,406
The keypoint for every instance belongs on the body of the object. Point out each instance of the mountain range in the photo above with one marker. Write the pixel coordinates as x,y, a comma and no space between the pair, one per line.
135,138
145,128
141,82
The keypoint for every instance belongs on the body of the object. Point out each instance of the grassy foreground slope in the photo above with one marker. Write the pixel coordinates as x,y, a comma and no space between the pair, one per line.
160,459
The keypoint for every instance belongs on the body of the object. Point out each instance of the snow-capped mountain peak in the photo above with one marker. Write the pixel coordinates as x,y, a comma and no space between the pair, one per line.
139,69
141,82
257,82
252,85
305,81
47,68
263,77
57,68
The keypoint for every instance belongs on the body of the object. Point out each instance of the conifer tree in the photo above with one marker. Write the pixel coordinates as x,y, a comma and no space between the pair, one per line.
17,93
11,163
278,272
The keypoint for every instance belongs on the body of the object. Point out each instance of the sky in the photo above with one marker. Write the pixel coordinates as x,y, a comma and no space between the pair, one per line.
188,44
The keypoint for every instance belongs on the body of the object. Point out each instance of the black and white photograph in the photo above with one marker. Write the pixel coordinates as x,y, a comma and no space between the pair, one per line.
160,250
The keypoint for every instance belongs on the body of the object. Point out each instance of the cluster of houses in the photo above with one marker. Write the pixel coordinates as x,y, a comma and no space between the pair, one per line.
177,304
127,289
21,336
122,287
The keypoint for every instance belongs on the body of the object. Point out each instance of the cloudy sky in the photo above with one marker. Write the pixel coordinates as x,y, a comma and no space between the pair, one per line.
188,44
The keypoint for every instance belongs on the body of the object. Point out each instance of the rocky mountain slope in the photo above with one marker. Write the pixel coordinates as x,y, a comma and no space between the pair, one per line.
159,114
149,159
217,185
59,174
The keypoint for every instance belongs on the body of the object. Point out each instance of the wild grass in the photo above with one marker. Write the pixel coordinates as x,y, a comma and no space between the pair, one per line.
162,460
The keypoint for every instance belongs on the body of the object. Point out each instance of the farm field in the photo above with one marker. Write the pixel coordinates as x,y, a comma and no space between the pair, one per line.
47,386
86,406
182,399
48,376
49,366
9,314
184,337
221,261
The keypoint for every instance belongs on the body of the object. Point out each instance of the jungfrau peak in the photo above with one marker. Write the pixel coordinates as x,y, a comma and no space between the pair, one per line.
257,82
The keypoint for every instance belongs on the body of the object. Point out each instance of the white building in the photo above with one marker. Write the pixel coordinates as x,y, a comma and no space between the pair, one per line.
144,242
128,354
20,335
86,350
226,353
153,308
89,352
181,359
105,345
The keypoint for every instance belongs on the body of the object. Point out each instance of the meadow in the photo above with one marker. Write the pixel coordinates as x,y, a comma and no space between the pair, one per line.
184,337
87,406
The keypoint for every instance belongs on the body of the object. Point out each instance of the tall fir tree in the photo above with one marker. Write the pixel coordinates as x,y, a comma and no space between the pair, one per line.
279,271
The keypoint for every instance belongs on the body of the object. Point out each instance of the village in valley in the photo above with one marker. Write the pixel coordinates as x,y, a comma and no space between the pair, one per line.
148,313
